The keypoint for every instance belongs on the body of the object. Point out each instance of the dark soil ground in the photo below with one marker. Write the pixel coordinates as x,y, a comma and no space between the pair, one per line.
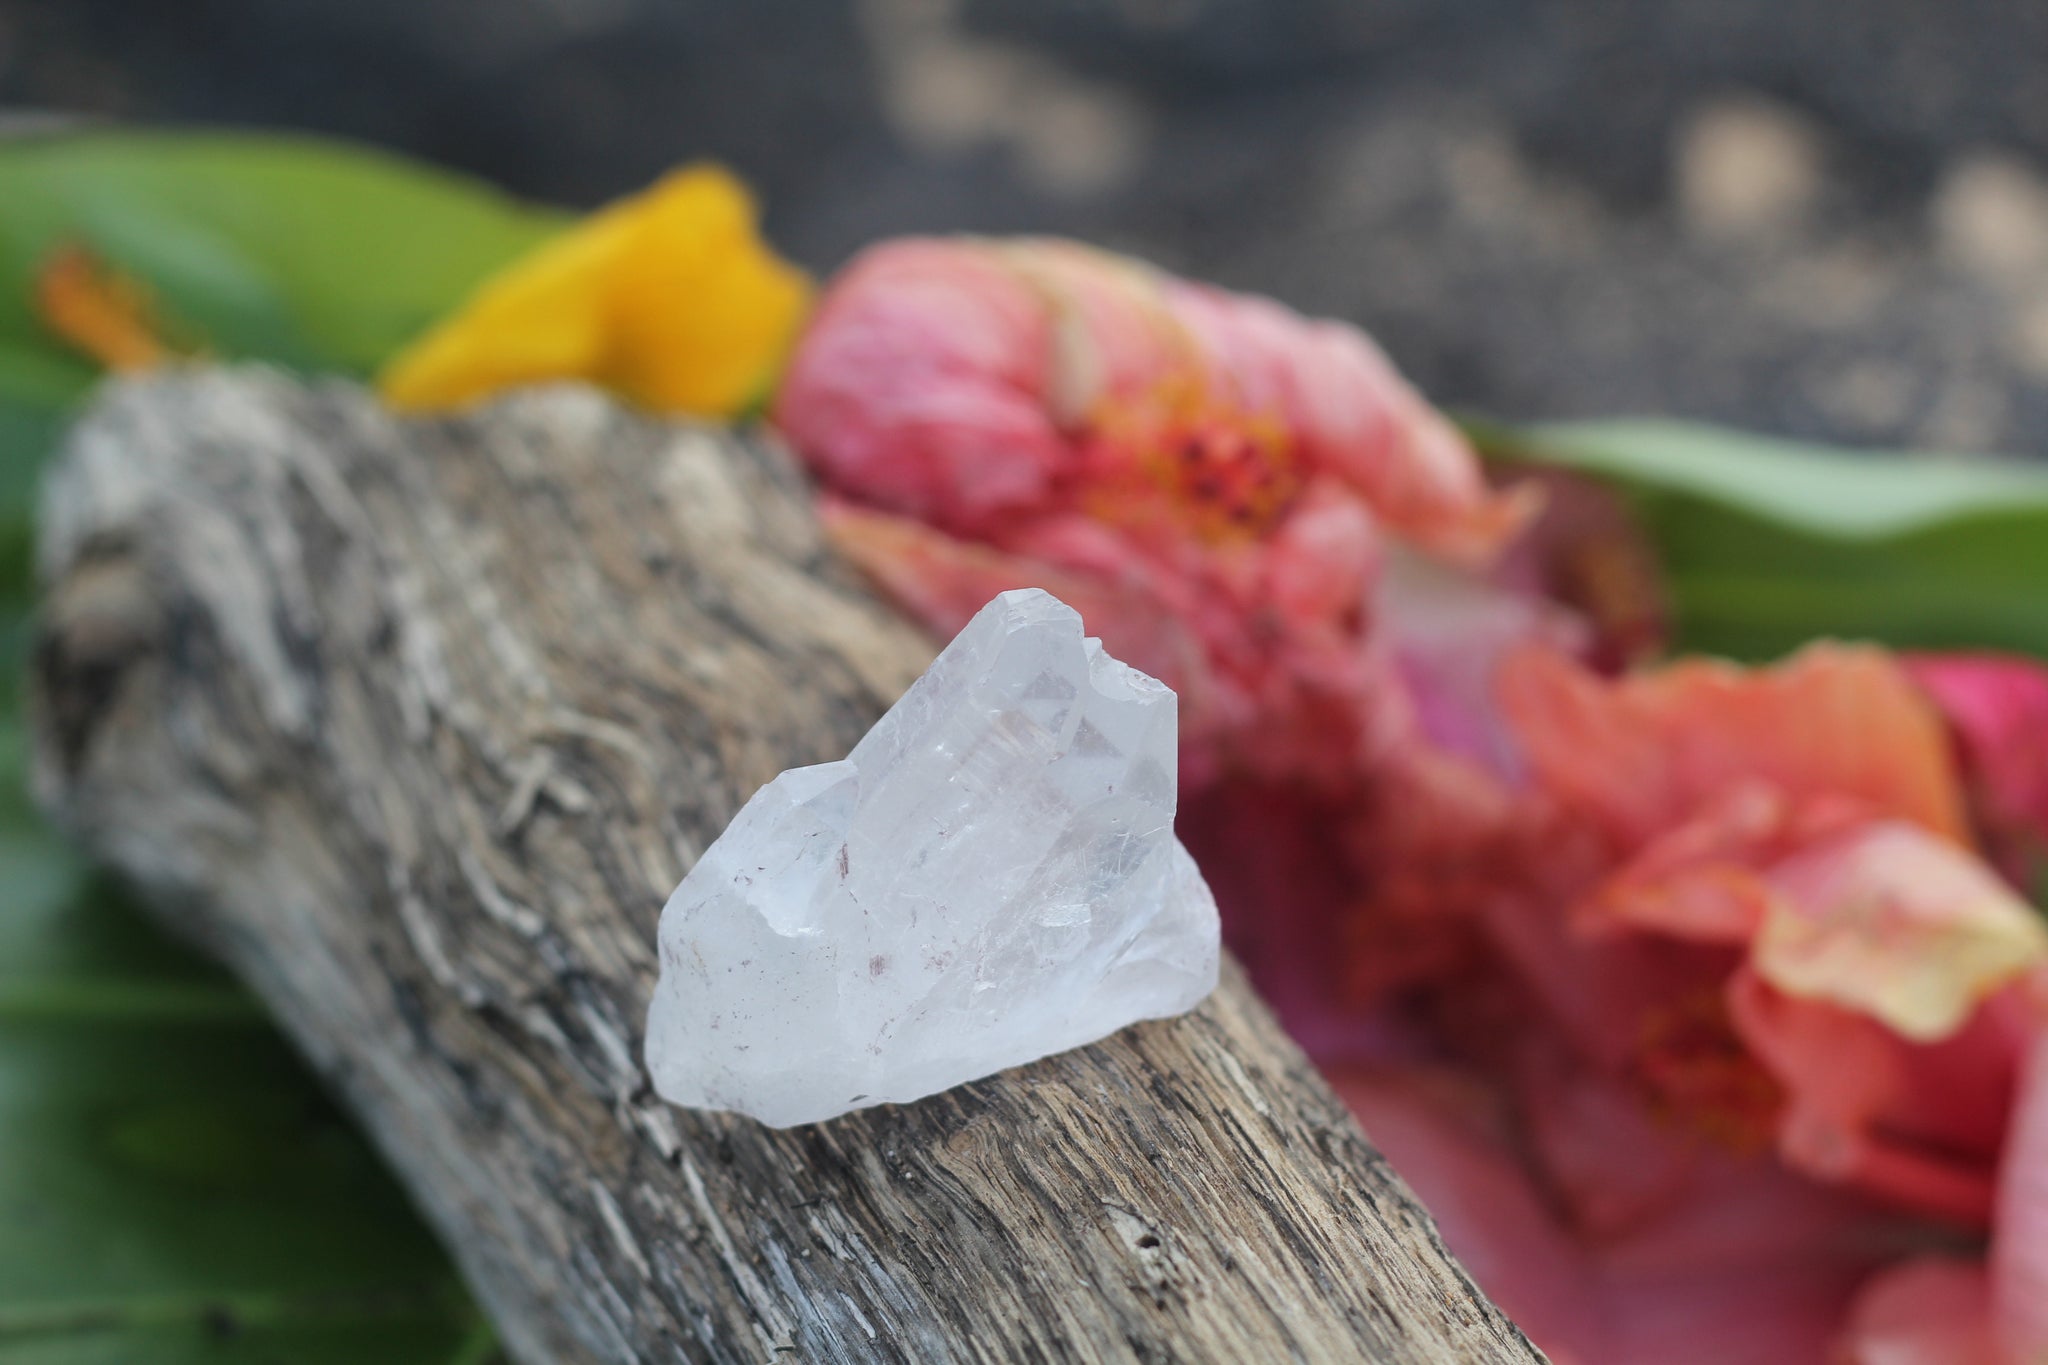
1823,220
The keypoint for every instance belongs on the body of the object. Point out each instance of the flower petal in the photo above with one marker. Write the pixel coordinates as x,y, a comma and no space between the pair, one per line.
920,387
1642,755
100,311
2019,1247
1919,1126
1894,923
1450,634
1357,417
1929,1311
1997,708
668,297
1703,880
1434,1132
702,313
1716,1259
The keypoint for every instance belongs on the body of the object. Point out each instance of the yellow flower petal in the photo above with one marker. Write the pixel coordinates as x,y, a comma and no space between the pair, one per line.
1897,924
669,298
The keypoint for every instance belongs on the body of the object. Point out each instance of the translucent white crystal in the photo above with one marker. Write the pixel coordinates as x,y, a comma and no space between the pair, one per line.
991,876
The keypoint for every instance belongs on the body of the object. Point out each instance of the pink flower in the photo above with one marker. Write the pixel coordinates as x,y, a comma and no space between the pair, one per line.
1996,707
1249,505
1219,486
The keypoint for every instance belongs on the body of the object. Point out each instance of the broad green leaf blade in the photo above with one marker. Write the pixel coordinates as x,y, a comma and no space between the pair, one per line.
177,1181
173,1187
298,250
1769,544
1799,484
238,1334
37,377
295,250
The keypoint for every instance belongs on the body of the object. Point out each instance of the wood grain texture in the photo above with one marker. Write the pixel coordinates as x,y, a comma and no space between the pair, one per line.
416,725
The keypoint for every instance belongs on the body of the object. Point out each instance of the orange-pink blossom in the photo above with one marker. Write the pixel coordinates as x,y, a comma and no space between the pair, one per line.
1758,1071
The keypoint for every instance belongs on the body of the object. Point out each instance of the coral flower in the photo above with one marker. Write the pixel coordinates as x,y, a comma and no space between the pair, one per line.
669,298
1758,1074
1250,505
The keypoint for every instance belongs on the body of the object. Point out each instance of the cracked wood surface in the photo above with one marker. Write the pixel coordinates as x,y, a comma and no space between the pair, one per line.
416,725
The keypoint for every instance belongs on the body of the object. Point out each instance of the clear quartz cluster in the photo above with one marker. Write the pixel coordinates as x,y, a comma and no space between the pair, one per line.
991,876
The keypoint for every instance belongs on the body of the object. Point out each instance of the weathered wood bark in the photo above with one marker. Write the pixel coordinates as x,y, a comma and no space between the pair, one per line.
416,726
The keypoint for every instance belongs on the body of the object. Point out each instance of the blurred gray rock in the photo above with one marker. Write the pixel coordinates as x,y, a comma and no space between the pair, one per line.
1821,219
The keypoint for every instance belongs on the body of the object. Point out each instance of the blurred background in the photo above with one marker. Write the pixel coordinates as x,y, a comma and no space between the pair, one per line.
1826,220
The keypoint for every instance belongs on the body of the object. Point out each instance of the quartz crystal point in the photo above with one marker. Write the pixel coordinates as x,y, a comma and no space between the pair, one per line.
991,876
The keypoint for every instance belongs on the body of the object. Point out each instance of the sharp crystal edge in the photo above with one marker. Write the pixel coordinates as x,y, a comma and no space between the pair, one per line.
990,877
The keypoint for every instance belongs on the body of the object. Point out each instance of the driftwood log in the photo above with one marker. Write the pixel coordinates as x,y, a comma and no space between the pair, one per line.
415,725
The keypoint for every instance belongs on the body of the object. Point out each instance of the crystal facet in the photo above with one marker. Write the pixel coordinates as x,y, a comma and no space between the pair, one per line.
991,876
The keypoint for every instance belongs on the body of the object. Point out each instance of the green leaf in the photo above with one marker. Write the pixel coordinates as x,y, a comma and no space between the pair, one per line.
302,251
173,1185
36,378
26,436
1768,544
294,250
